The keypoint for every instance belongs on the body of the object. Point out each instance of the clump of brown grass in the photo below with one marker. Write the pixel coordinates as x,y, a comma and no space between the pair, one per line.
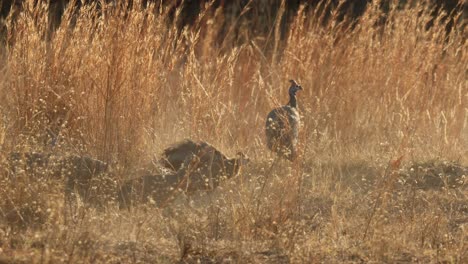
26,202
121,84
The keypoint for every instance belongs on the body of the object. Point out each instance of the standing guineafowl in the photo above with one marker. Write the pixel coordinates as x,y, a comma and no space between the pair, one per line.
282,126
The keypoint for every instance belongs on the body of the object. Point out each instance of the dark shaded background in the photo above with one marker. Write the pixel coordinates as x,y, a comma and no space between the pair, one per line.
261,15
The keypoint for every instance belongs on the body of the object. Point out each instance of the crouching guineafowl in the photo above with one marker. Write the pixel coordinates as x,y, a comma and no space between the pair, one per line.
175,155
282,126
210,161
87,179
196,166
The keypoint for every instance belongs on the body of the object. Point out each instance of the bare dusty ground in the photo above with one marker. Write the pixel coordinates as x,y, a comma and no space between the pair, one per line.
344,212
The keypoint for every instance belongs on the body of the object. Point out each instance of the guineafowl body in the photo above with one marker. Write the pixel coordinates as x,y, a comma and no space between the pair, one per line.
209,159
175,155
282,126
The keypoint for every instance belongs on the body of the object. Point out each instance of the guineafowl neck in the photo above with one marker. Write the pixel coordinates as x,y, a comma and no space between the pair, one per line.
292,101
232,167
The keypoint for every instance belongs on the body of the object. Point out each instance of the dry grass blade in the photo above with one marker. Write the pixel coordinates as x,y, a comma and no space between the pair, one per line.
119,82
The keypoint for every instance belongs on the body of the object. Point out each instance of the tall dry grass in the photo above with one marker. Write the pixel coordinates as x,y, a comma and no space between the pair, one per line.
121,84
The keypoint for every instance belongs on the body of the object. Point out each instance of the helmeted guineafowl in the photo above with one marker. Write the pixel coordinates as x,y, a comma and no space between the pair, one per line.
83,174
282,126
175,155
200,167
208,156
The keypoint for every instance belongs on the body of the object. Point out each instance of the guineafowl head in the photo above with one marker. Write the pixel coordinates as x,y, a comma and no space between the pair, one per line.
233,165
294,88
242,159
292,93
